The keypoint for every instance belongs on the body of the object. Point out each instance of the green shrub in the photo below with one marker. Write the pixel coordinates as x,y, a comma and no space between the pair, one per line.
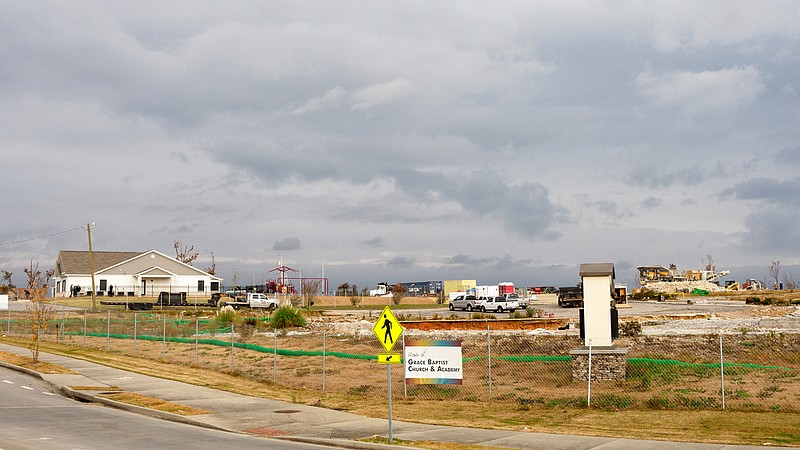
611,402
479,316
225,317
534,312
287,317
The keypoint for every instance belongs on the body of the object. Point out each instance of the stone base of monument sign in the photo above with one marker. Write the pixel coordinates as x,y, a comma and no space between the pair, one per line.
608,363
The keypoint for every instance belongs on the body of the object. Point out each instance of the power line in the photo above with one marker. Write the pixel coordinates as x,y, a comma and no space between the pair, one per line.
41,237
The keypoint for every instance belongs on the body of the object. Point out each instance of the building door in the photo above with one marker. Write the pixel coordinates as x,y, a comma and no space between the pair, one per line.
144,287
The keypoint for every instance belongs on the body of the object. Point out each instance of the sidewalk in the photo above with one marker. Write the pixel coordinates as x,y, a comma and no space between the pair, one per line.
239,413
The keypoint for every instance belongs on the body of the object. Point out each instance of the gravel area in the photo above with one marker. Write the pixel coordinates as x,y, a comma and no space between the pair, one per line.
703,316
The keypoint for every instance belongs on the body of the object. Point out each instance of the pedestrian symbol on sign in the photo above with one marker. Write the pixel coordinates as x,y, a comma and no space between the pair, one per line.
388,325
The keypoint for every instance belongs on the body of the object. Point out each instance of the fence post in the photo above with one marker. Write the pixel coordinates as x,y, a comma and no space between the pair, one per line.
489,356
405,386
196,333
232,350
324,349
589,385
84,328
9,322
63,320
164,337
721,369
108,330
134,334
275,358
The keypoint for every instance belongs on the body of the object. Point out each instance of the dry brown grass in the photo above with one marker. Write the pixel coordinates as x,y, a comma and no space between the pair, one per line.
731,427
155,403
96,388
432,445
28,363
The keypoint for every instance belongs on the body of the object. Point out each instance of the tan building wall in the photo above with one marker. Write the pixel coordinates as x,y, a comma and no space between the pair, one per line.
458,286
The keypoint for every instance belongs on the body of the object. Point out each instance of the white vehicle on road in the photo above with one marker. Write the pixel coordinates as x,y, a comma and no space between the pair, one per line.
500,304
251,300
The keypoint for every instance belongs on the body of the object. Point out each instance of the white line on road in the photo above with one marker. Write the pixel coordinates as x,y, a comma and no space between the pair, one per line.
27,387
9,382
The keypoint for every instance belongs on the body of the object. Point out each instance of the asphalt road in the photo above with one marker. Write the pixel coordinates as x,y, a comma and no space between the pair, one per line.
548,303
32,416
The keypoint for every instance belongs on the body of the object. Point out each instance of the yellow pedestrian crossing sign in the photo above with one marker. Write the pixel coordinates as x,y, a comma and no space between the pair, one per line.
387,329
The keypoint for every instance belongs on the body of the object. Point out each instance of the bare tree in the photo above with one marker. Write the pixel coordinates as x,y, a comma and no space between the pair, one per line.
709,263
9,286
184,254
775,272
213,269
7,278
39,313
398,292
310,291
344,288
790,282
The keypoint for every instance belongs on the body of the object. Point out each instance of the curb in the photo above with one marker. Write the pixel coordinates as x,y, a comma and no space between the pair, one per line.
344,443
163,415
25,370
68,392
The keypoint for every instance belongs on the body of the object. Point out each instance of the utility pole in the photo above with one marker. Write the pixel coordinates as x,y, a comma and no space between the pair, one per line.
91,263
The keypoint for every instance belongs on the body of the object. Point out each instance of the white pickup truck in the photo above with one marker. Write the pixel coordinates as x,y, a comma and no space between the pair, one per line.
500,304
250,300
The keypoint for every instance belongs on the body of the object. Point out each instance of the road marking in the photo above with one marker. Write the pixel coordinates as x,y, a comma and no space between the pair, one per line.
9,382
45,393
28,388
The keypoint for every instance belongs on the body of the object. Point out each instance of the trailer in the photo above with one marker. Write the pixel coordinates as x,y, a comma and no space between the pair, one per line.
164,299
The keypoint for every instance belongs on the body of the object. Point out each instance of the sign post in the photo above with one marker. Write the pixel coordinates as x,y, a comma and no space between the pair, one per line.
387,329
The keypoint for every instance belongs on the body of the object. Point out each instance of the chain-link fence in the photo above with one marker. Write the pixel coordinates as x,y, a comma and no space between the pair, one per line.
738,370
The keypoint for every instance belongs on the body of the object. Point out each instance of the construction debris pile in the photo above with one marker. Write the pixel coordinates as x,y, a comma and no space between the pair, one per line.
670,280
671,287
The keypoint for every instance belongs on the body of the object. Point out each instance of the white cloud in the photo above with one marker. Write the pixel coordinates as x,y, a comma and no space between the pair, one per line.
696,25
382,93
702,92
331,98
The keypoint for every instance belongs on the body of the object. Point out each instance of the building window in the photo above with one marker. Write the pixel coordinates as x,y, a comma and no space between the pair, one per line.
103,285
214,286
201,285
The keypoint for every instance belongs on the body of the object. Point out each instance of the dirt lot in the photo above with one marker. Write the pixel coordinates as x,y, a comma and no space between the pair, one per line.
679,315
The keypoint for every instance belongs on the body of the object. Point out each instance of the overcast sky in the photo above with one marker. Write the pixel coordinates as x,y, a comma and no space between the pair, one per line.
404,141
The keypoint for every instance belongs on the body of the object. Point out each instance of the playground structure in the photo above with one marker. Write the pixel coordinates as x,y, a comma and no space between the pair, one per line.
285,284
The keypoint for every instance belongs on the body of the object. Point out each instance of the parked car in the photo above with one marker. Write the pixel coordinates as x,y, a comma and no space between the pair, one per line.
500,304
523,302
465,302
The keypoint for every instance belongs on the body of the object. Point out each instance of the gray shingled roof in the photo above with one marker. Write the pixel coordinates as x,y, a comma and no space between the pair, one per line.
77,262
597,270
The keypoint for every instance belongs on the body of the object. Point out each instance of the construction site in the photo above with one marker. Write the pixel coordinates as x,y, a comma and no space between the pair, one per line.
671,280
